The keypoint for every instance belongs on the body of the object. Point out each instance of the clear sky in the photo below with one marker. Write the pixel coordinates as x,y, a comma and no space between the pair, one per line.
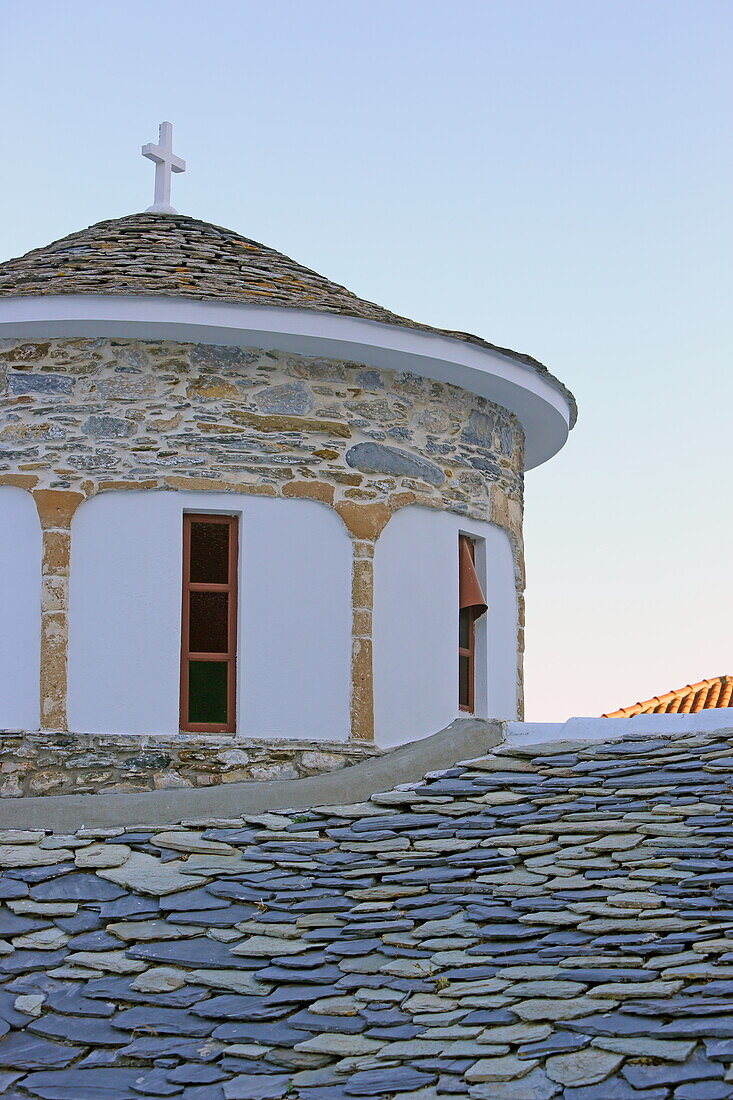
553,175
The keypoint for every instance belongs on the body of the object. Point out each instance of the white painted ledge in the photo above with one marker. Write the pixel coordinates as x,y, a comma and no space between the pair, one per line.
613,729
537,401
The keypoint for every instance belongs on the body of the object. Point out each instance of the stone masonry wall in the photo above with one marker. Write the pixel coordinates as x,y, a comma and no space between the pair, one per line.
89,415
64,763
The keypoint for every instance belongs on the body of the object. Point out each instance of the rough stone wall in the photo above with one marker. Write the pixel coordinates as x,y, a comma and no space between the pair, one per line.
63,763
544,922
88,414
82,416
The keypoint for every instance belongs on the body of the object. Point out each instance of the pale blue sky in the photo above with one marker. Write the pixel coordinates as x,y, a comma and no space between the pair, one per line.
554,175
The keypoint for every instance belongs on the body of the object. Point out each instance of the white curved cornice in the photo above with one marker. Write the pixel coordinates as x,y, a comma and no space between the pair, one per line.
541,406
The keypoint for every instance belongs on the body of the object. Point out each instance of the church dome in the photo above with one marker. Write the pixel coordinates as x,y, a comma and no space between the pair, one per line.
262,524
176,256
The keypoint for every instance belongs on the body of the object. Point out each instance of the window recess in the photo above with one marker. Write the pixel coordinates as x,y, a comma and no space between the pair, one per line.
471,606
209,624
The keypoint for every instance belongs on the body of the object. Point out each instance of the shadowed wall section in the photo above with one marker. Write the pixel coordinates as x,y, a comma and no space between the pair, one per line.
415,624
20,608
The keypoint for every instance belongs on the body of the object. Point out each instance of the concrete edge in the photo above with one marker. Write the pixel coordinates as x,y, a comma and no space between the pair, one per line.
463,739
598,730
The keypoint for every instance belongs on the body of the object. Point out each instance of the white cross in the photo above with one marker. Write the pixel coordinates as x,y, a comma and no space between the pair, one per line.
165,163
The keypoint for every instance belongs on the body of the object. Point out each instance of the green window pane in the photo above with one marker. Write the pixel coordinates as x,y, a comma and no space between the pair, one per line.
207,692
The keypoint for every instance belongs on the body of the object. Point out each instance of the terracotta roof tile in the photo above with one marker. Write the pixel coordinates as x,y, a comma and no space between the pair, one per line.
178,256
690,699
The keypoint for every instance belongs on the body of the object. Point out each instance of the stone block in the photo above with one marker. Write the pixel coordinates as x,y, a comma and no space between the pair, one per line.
47,385
102,426
364,521
376,458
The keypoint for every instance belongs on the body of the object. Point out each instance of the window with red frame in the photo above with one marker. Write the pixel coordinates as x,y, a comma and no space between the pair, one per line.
471,606
209,624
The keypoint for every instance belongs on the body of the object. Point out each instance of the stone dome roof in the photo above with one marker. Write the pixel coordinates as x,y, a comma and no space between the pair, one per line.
182,257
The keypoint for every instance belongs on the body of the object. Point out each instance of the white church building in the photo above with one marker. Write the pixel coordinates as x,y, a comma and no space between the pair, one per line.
240,504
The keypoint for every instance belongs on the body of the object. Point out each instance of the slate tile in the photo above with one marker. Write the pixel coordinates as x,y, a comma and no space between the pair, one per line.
720,1050
90,1030
21,1050
203,1092
21,961
324,975
388,1080
614,1088
149,1047
256,1087
322,1092
271,1033
82,1084
197,1074
199,952
155,1083
303,994
225,917
8,1012
39,874
98,940
199,898
697,1068
128,907
393,1034
703,1027
16,925
557,1043
70,1000
316,1022
704,1090
235,1006
120,989
85,920
11,889
236,836
161,1021
103,1056
77,886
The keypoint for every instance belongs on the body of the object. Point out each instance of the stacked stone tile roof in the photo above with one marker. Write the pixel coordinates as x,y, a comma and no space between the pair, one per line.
178,256
690,699
553,921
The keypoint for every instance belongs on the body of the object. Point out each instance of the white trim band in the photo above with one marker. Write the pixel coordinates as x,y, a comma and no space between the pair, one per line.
539,405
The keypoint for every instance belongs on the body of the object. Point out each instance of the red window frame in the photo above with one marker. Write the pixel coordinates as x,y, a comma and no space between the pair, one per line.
230,656
468,615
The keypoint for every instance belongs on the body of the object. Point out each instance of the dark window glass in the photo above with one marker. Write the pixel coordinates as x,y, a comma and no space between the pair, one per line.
207,692
209,553
464,627
464,674
208,623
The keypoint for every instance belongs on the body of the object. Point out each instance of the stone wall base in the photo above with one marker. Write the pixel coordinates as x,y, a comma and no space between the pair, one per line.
50,763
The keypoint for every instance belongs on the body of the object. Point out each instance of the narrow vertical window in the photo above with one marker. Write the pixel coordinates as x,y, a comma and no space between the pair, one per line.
471,606
209,624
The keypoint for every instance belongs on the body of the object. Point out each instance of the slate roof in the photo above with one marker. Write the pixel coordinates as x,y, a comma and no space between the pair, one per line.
178,256
690,699
550,921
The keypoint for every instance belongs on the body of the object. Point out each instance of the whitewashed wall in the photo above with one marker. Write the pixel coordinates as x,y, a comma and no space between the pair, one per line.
416,624
294,646
20,610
